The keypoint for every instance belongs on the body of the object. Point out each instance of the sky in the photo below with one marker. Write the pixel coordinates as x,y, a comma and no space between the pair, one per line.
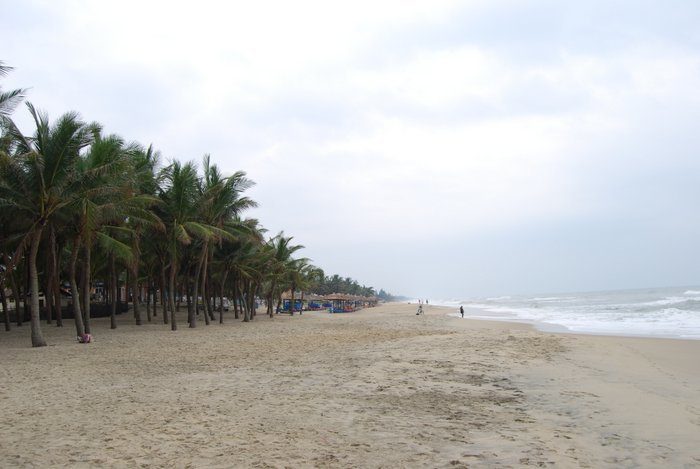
436,149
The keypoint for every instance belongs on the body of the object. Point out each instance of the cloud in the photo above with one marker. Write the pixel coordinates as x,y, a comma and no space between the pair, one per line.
442,124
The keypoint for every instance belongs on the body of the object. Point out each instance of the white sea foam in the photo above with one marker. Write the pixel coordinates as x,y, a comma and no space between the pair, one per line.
651,313
554,298
670,300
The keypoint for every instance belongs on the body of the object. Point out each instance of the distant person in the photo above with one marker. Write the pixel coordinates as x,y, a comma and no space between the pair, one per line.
426,301
420,310
461,310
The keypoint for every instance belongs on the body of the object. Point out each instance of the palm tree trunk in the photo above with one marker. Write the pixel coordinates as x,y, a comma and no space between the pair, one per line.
221,297
86,284
75,297
15,290
163,298
251,298
112,293
149,318
48,281
188,299
173,271
205,289
246,312
134,280
56,287
26,290
207,286
234,291
291,304
5,311
197,274
37,337
179,296
270,303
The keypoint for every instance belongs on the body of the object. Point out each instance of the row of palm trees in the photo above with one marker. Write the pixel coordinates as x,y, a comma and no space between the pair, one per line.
81,205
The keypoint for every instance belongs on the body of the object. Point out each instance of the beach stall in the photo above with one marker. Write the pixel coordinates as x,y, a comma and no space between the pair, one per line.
368,301
314,302
341,303
287,300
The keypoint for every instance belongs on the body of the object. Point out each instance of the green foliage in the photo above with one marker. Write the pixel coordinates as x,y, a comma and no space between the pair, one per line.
101,193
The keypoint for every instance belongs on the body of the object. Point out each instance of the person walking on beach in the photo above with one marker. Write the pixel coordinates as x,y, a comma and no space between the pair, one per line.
461,310
420,309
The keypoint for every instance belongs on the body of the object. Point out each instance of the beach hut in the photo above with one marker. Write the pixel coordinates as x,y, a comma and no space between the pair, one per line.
341,303
287,299
314,302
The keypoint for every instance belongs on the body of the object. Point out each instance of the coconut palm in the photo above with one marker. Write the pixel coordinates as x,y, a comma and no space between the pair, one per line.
106,204
180,204
38,180
280,268
221,202
142,179
8,99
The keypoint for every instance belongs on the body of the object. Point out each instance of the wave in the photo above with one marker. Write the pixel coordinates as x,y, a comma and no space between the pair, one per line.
662,318
670,300
554,298
691,292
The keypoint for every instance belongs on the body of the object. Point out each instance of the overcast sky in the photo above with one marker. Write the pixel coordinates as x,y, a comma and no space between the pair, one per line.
437,149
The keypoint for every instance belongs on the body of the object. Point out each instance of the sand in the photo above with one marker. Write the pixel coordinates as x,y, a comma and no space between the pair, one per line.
378,388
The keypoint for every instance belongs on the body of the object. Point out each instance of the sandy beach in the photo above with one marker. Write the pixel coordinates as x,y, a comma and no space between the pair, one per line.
378,388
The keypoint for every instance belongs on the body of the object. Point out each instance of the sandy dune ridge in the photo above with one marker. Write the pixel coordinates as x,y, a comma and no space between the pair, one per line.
378,388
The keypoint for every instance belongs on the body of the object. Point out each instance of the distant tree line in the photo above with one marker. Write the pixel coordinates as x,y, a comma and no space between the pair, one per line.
325,285
81,208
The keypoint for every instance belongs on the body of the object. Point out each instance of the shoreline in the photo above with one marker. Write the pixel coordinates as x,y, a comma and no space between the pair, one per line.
554,328
378,388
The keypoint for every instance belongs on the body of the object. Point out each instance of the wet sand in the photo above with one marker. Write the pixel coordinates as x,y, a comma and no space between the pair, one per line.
377,388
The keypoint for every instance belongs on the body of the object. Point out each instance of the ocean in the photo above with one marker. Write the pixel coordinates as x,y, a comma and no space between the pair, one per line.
672,312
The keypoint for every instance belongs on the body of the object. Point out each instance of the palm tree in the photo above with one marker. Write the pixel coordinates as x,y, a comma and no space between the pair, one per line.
180,198
105,198
221,203
8,99
143,180
37,181
281,268
306,276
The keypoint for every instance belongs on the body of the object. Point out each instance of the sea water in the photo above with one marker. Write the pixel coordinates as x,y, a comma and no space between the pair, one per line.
649,312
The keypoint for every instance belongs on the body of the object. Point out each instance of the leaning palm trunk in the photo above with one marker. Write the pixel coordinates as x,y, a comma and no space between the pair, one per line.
75,297
37,337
